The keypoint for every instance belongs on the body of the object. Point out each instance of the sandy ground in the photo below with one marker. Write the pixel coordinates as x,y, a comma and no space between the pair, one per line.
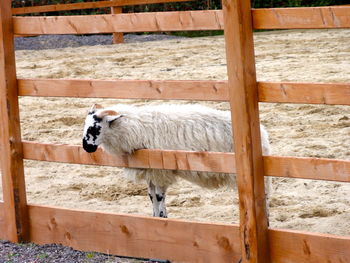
295,130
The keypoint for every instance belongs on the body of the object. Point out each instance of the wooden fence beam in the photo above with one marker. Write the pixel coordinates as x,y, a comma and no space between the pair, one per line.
155,159
178,240
125,89
302,17
309,93
124,23
302,247
13,184
212,90
277,166
243,92
117,38
3,227
86,5
133,236
275,18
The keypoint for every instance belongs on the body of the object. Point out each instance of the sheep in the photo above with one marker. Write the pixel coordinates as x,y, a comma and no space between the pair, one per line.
123,129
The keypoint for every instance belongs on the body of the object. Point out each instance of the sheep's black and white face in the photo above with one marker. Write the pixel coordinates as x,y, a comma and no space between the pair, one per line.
92,132
96,121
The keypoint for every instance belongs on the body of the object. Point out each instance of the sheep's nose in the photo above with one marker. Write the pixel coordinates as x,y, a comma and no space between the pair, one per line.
90,148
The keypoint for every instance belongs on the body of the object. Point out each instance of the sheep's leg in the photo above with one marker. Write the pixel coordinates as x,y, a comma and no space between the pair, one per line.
153,197
160,197
157,196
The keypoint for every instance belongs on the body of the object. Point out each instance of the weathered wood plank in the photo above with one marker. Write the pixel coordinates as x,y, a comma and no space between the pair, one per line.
135,22
3,228
308,168
144,237
243,90
117,37
311,93
182,160
86,5
274,18
288,246
122,89
278,166
302,17
280,92
135,236
13,184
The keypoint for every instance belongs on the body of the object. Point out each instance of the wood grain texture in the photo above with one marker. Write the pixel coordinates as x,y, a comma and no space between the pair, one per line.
277,166
136,89
157,159
243,92
288,246
302,17
117,38
309,93
274,18
307,168
135,22
85,5
3,228
280,92
184,241
12,171
135,236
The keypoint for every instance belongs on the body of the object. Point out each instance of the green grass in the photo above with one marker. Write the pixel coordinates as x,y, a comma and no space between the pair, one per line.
89,255
42,256
198,33
10,257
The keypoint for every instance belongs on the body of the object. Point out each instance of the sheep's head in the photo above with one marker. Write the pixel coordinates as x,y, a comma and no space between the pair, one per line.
96,121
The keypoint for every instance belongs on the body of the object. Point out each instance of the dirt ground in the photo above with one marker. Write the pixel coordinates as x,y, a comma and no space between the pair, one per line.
295,130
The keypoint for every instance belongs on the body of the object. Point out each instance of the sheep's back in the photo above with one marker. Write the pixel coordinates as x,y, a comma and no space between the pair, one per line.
208,130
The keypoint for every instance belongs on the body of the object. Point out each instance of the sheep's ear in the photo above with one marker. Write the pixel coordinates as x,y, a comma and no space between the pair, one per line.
112,118
105,113
95,107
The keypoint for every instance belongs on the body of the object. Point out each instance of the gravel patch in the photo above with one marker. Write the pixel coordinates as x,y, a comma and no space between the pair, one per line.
31,253
63,41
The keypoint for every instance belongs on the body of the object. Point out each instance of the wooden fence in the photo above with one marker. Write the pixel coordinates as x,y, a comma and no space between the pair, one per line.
182,241
115,5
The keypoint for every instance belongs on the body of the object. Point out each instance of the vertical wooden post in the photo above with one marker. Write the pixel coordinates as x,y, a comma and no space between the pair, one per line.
117,37
10,137
245,123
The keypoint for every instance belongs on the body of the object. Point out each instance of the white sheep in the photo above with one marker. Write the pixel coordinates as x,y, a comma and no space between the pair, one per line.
123,129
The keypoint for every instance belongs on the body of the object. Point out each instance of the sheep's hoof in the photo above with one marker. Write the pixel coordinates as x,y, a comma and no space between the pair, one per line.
161,214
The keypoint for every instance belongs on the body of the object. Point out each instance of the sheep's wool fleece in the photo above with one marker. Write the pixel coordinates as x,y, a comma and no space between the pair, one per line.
174,127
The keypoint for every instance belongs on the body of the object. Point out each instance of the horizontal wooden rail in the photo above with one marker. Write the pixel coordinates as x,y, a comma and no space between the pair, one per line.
133,236
122,89
283,92
135,22
157,159
86,5
309,93
278,18
298,246
292,167
302,17
175,240
308,168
